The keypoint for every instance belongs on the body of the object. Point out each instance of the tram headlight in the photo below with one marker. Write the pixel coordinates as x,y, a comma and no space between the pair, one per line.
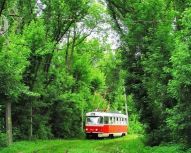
86,129
96,129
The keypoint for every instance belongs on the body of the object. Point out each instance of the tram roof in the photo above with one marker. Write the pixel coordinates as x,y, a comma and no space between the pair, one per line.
110,114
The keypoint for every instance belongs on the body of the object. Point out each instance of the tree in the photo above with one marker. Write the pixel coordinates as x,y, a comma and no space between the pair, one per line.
13,59
147,40
179,86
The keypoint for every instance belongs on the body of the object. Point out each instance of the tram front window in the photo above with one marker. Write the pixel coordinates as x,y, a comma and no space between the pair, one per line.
94,120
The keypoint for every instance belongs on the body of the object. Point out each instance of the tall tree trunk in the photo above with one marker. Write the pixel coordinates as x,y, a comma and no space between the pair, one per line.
35,74
67,49
72,49
126,106
31,121
82,116
9,122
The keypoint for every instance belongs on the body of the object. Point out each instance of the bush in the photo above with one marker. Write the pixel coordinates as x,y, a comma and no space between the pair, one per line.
135,127
43,132
3,140
66,120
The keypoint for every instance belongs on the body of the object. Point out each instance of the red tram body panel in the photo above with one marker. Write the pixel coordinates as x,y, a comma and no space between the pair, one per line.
105,124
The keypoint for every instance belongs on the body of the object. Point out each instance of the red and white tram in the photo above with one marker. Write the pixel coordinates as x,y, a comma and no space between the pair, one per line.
105,124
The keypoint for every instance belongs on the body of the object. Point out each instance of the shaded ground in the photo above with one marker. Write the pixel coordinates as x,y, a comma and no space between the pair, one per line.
128,144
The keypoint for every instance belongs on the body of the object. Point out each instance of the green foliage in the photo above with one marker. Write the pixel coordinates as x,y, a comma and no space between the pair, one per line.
135,126
155,55
63,125
13,61
179,86
36,39
3,140
43,132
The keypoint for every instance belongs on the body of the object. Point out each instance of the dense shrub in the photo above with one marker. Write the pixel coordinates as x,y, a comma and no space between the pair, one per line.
3,139
66,120
135,127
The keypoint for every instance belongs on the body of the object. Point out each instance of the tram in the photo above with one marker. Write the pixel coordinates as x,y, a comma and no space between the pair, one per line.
106,124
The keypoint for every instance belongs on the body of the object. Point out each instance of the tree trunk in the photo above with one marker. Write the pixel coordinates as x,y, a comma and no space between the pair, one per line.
72,49
126,106
9,123
31,121
67,50
82,116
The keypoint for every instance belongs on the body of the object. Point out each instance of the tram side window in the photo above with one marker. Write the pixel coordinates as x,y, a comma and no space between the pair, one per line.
114,120
106,120
125,120
111,120
101,120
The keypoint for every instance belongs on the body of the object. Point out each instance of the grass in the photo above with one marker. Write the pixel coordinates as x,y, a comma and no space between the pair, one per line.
128,144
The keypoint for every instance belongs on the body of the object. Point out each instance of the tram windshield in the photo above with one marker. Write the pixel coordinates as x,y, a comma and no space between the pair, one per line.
94,120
